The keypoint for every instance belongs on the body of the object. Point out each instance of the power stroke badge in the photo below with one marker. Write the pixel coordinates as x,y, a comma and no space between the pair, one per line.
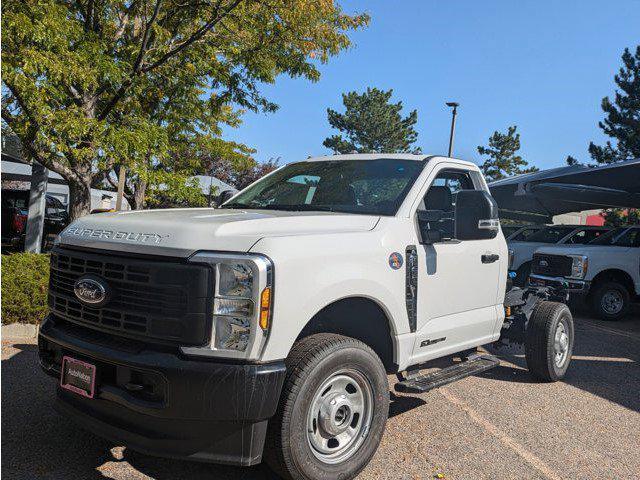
395,260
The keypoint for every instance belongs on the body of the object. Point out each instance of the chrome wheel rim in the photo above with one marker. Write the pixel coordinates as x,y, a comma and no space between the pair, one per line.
561,344
340,416
612,302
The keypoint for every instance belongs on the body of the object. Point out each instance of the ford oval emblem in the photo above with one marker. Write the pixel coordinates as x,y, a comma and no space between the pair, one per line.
91,290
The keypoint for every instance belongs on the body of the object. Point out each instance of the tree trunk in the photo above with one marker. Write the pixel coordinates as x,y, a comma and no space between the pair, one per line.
79,199
140,191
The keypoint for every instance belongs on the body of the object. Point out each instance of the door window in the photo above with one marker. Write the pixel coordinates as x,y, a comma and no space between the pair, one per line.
441,197
524,235
584,236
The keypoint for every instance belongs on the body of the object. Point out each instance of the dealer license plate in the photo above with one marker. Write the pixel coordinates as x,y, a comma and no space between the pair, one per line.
78,377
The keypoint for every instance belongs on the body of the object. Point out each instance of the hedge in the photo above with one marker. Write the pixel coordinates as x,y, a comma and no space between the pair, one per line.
25,277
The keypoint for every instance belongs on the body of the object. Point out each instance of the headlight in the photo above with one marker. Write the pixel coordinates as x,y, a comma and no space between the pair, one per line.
242,304
235,279
579,266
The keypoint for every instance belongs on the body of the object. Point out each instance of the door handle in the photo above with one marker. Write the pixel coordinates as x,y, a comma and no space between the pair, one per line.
490,258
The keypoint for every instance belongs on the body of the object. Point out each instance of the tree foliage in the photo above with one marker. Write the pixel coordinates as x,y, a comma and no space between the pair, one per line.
622,116
503,160
571,160
90,85
622,124
371,124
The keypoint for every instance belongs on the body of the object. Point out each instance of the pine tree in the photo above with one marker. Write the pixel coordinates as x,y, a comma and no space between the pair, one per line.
503,161
622,116
571,160
622,124
371,124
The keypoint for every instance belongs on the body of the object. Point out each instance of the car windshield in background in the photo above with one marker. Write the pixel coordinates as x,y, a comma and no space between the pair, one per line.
375,187
550,234
620,237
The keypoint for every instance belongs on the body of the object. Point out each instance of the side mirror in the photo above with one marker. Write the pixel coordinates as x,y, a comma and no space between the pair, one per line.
476,215
224,196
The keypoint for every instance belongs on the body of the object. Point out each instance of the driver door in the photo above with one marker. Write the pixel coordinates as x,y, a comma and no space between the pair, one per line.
459,282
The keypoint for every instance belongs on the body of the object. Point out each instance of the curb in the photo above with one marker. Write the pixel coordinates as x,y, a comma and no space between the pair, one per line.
19,330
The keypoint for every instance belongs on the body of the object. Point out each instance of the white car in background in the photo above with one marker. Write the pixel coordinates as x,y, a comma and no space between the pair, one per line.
606,272
521,253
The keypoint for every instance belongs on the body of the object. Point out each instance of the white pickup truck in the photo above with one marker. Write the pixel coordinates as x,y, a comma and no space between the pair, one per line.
521,252
270,324
606,271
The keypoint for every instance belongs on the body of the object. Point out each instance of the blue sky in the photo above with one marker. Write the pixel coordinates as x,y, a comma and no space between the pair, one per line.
541,65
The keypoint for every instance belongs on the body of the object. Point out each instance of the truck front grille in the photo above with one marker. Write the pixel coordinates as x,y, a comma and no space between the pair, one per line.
551,265
157,299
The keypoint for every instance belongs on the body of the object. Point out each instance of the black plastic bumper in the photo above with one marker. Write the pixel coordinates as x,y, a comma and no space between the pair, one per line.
575,287
161,403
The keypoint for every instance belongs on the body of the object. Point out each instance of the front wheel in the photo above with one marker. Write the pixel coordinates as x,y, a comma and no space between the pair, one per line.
332,411
610,301
549,341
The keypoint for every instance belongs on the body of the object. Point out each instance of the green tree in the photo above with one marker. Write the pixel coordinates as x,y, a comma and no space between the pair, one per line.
622,116
371,124
622,124
571,160
81,80
503,160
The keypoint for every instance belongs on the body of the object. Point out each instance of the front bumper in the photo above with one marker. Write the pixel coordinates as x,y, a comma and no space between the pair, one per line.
162,403
568,284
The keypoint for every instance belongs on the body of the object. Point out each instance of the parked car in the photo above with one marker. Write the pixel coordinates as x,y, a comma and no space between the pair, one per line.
606,272
520,233
15,210
270,324
521,253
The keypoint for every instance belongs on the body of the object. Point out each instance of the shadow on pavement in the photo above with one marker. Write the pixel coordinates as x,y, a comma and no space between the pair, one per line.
606,362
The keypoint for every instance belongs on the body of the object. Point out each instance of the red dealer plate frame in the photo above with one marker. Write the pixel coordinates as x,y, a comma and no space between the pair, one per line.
78,377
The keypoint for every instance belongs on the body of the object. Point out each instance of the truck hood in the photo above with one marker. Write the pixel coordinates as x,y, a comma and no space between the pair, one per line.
181,232
573,249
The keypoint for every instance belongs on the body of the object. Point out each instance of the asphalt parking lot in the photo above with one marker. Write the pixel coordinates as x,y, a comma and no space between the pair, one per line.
500,425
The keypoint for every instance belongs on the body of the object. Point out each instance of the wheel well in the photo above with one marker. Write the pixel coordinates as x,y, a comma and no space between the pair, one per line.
615,275
356,317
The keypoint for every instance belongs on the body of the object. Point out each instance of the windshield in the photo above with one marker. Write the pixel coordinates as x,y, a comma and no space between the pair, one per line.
550,234
622,237
375,187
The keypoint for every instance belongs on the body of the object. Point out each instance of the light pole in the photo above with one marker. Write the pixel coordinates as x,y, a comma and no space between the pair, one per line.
454,112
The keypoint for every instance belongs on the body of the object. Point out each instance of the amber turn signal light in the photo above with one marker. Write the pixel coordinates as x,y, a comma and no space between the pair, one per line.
265,308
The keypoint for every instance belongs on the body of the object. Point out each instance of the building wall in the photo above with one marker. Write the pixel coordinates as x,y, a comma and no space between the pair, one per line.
588,217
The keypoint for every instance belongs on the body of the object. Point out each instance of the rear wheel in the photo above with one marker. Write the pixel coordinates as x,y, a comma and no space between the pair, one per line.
332,411
549,341
610,300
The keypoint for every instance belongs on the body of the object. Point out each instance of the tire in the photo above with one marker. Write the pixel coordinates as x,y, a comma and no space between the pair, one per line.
549,341
610,301
321,368
522,275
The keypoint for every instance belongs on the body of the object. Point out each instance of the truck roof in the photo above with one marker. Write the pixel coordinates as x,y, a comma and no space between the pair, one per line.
377,156
368,156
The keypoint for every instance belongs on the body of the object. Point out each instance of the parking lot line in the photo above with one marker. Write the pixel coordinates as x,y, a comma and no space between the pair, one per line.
504,438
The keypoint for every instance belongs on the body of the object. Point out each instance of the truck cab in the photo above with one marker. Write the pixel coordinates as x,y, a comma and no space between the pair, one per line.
199,333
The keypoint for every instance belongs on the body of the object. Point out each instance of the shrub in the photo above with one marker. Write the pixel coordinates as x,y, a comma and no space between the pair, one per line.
25,278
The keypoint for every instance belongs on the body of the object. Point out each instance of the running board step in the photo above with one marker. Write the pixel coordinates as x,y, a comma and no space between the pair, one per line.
421,383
